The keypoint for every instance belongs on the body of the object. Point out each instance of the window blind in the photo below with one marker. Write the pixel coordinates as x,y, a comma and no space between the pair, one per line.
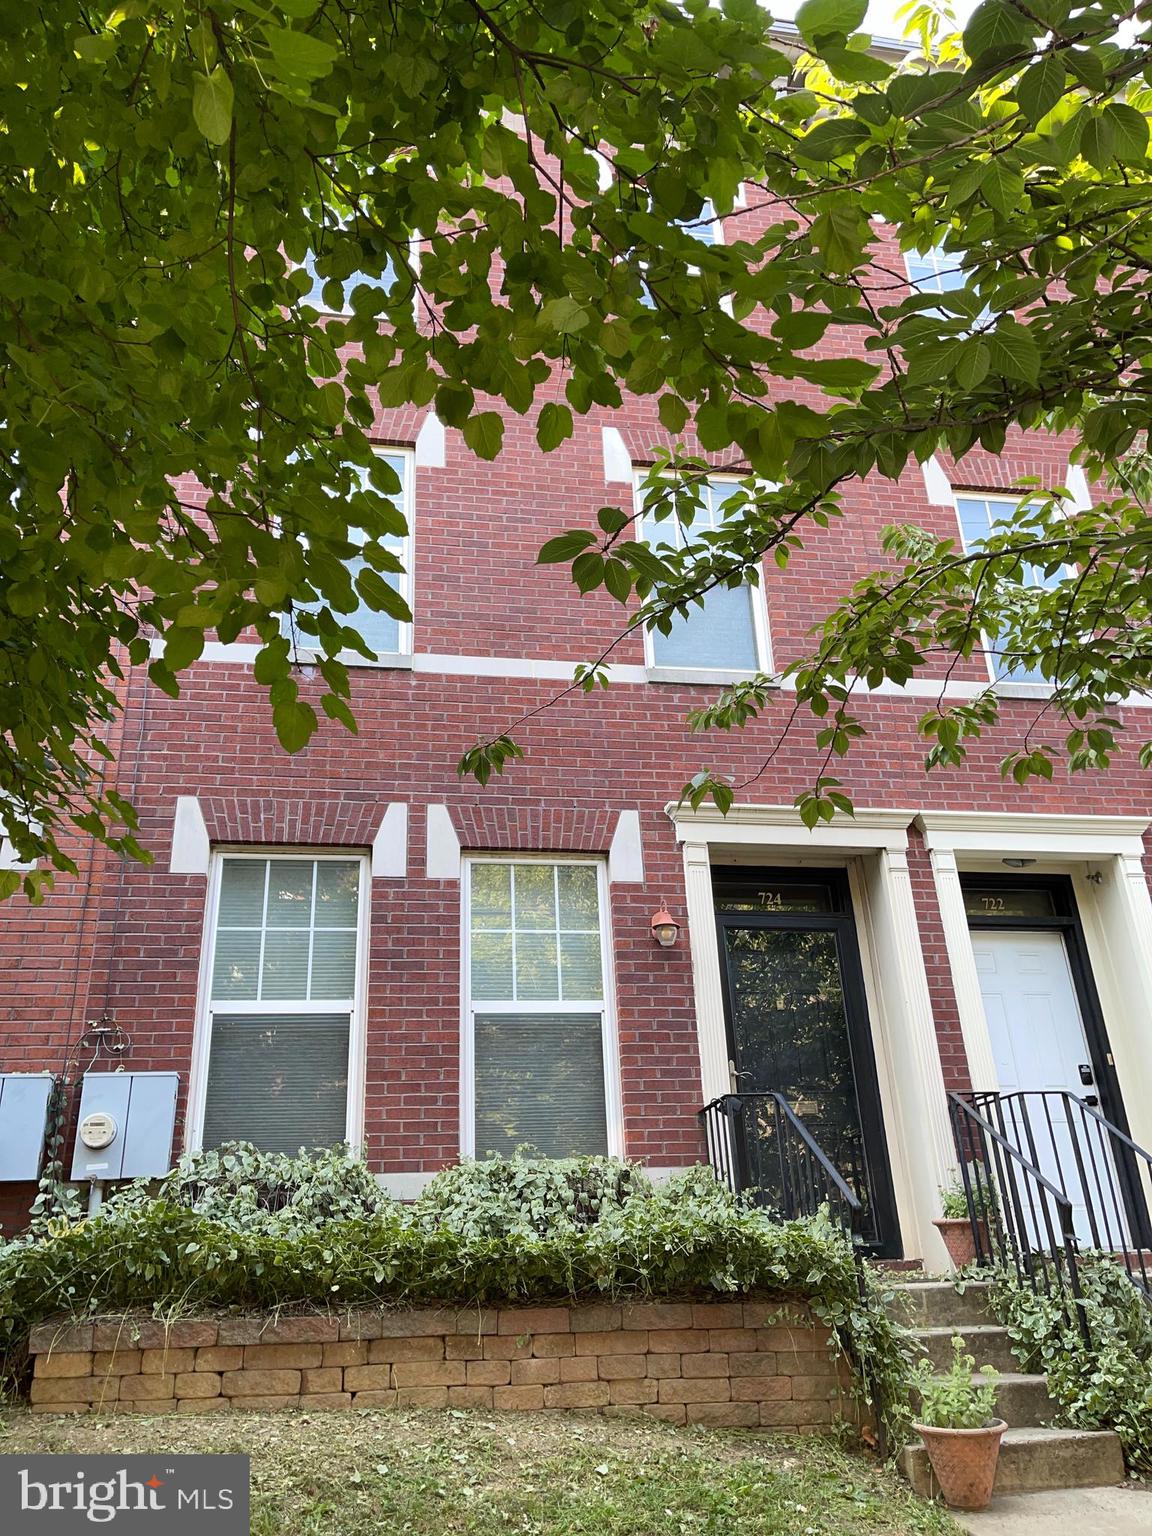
277,1080
540,1082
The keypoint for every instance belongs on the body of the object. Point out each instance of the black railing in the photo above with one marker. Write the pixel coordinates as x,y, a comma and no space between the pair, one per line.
1020,1219
1104,1174
758,1143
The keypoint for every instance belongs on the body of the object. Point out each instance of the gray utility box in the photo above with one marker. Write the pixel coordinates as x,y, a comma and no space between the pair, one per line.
125,1125
23,1116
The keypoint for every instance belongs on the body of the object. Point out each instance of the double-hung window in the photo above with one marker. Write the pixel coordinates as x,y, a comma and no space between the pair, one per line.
281,1022
980,516
314,294
938,271
539,1053
729,633
386,635
705,228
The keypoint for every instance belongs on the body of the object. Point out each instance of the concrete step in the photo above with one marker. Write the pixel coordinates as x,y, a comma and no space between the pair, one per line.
987,1343
938,1304
1021,1400
1032,1459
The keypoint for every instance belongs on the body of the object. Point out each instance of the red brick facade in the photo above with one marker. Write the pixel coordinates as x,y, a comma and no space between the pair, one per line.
126,939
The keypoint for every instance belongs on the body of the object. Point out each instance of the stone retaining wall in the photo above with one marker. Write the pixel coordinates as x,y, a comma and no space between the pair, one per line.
741,1364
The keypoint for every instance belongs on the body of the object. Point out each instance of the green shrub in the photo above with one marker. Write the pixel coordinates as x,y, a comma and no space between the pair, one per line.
511,1232
1103,1385
247,1189
528,1194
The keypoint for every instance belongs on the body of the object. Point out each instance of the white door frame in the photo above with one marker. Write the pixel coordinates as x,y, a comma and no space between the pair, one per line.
872,845
1103,855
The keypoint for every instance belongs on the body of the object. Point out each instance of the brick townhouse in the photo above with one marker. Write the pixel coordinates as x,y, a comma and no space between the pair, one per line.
353,944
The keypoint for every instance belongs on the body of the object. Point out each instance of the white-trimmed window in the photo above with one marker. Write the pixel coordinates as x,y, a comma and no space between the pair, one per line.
730,632
539,1044
387,636
281,1034
705,227
938,271
980,516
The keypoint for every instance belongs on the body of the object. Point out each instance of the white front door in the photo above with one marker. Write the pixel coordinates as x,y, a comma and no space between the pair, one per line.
1038,1041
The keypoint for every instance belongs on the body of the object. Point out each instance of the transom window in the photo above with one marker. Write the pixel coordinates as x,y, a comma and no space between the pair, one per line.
980,516
537,1019
385,634
283,995
728,632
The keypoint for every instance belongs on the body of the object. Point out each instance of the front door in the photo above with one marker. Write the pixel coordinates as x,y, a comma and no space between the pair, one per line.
798,1025
1048,1042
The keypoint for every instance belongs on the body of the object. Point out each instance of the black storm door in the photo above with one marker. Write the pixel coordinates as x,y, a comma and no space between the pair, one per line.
798,1025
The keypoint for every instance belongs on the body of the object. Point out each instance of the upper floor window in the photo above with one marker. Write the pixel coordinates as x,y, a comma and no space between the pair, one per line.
384,633
338,298
729,631
283,1001
980,516
537,1019
705,227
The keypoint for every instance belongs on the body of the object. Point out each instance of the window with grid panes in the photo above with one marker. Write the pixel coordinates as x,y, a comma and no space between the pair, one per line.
283,992
980,516
536,1007
721,634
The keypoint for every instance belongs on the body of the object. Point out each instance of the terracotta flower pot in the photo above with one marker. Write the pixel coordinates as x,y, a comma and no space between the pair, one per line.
958,1239
964,1461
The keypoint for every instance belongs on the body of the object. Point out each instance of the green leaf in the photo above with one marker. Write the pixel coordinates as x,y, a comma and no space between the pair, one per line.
818,18
300,55
295,723
553,425
1040,87
565,315
331,403
212,105
588,571
673,413
1013,352
1129,132
1097,138
833,137
996,28
854,66
484,434
971,368
1002,186
565,547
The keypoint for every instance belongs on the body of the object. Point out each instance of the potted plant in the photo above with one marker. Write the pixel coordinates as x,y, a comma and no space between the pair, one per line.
955,1223
960,1429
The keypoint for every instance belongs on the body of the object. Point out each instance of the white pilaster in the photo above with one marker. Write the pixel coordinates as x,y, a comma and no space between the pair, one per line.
965,978
710,1027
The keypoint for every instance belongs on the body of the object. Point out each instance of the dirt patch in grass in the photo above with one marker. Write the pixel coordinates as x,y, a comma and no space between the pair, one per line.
474,1474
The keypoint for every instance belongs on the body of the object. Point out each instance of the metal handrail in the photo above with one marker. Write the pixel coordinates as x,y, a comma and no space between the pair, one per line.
1010,1205
808,1179
1112,1173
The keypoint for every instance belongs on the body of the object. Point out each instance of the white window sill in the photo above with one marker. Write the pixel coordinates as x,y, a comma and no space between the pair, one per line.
389,661
709,677
1008,690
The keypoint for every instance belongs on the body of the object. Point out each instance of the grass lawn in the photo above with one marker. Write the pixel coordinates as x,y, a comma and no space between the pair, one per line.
477,1474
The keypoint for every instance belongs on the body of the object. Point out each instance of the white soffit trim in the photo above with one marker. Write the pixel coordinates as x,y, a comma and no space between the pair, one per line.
779,826
442,860
1077,483
191,850
430,443
999,832
937,485
617,459
390,845
626,851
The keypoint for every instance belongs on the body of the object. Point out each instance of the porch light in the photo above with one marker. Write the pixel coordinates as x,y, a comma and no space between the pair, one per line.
665,928
1018,863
